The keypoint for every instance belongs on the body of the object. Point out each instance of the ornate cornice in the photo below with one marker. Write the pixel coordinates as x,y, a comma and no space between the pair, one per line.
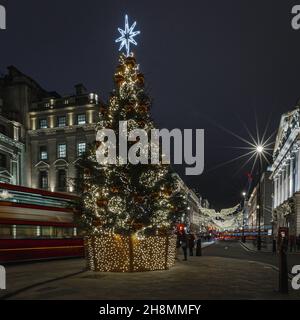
11,142
68,129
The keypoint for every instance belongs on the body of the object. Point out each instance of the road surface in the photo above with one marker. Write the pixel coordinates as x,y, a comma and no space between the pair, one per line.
234,249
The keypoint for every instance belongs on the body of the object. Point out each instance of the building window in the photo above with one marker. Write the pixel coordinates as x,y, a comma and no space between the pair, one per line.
2,129
43,124
81,148
61,121
3,161
44,180
81,119
61,180
43,153
62,151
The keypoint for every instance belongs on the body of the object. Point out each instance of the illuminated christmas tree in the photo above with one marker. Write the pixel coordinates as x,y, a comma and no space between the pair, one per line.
128,198
128,210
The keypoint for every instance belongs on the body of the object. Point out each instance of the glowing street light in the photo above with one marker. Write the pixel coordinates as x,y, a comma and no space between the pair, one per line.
244,194
260,149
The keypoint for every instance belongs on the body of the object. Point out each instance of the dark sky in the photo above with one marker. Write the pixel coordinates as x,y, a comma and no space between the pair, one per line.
205,62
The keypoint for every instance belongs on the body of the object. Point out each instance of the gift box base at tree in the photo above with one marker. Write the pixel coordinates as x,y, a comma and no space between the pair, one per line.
120,253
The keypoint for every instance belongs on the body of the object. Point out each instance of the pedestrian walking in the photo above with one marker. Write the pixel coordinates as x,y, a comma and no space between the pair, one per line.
183,240
191,240
199,247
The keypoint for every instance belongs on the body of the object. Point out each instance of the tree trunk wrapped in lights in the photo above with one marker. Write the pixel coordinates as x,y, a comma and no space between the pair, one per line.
128,211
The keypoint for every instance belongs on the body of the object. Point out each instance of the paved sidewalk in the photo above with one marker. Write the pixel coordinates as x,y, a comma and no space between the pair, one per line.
198,278
26,275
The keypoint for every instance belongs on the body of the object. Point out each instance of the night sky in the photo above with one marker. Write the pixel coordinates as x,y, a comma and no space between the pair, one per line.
207,64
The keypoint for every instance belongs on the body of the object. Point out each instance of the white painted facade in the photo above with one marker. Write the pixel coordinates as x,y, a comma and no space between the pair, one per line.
286,174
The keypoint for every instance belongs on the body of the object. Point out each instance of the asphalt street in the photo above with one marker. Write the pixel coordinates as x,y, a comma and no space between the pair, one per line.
234,250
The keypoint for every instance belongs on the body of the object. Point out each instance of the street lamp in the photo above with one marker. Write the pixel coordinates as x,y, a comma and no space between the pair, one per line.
259,151
243,230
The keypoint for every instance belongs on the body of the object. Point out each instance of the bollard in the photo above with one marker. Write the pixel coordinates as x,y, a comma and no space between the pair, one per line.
199,248
283,268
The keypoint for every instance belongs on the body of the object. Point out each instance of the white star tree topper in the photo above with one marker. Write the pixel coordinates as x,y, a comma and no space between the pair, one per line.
127,36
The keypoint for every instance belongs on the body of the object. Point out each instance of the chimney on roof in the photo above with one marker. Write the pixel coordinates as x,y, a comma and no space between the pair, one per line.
80,89
13,71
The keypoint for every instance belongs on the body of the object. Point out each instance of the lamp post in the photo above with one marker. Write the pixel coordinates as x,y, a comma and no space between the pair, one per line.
259,150
243,232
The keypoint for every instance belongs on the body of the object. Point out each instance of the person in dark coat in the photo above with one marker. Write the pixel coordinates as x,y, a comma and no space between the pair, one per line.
191,243
183,240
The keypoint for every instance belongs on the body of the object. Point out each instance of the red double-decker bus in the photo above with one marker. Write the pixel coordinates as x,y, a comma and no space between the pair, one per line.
37,224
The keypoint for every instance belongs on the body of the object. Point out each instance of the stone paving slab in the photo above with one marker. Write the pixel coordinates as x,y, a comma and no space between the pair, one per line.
203,278
26,275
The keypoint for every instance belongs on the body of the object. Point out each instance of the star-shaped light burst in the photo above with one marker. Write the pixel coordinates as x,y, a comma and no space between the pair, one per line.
258,147
127,36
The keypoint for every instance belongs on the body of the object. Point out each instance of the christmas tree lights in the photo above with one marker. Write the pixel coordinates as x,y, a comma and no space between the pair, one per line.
128,211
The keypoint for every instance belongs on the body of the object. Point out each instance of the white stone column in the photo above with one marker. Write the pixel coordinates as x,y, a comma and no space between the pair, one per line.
278,191
275,192
287,181
297,170
281,187
291,177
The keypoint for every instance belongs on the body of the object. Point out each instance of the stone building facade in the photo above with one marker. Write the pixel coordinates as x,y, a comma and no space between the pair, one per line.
286,174
53,131
12,152
193,214
251,216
